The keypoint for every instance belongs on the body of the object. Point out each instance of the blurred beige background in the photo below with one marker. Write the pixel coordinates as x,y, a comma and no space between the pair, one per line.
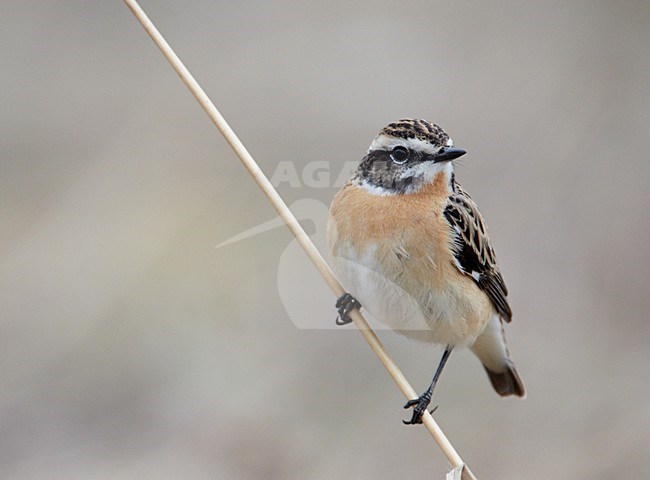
131,348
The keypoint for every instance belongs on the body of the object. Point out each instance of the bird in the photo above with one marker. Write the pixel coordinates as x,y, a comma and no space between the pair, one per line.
409,244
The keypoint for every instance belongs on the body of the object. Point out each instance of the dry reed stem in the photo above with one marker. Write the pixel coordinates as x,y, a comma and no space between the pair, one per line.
296,230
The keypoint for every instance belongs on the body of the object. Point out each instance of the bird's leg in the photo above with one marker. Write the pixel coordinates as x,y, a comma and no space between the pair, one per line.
421,403
345,304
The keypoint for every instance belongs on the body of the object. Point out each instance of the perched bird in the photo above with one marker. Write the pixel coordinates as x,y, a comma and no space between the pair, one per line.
410,245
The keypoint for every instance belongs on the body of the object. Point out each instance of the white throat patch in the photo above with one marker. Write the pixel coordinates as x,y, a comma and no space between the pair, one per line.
422,174
425,172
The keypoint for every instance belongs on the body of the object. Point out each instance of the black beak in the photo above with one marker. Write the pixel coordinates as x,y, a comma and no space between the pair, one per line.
447,154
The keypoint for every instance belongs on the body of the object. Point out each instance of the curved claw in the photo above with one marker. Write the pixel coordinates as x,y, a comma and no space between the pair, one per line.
345,304
417,417
412,403
343,321
411,422
419,405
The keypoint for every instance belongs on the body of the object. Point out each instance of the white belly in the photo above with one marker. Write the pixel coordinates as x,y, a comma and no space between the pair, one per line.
446,314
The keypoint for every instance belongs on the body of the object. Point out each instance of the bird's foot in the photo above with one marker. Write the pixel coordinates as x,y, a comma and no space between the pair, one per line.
419,405
345,304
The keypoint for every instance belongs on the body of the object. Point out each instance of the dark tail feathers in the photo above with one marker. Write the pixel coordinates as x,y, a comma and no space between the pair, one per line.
507,383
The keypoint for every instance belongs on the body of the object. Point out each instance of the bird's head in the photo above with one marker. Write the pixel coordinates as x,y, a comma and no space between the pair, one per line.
404,156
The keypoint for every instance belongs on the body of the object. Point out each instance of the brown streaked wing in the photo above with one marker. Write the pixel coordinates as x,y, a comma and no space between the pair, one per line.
473,251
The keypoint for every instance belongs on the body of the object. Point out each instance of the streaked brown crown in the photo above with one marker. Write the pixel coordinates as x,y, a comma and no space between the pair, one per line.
414,128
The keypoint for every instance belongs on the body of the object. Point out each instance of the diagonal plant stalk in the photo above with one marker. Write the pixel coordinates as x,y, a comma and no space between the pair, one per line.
298,232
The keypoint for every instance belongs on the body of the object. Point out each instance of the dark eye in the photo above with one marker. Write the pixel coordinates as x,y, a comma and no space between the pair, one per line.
399,154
